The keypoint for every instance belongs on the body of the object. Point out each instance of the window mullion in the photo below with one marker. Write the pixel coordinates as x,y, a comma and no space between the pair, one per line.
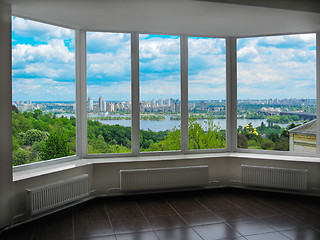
135,98
81,94
184,92
231,75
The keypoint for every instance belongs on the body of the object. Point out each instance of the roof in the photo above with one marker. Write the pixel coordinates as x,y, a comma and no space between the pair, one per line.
309,128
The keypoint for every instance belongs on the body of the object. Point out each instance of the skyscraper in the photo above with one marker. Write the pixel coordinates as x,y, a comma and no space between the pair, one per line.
102,104
90,104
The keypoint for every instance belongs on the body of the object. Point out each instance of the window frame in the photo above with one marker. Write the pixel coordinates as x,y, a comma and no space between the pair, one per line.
231,101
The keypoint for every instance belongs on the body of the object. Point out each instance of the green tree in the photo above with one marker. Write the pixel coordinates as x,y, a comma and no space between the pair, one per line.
242,141
55,146
34,135
20,156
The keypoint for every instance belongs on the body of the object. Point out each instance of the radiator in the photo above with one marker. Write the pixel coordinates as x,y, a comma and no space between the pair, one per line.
50,196
284,178
162,178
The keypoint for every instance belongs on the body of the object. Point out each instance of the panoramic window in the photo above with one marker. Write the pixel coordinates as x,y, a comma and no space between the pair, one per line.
207,93
277,93
43,92
109,92
160,103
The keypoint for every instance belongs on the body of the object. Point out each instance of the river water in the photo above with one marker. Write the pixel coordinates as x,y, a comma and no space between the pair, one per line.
163,125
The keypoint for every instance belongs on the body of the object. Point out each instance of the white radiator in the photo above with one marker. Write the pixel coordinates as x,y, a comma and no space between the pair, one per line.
284,178
50,196
161,178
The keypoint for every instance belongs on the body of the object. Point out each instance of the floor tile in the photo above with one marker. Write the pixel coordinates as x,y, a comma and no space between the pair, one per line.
281,222
200,218
250,227
109,237
186,205
178,234
24,232
302,234
92,229
216,231
123,210
55,227
155,208
138,236
166,222
261,210
130,225
215,202
90,212
230,215
267,236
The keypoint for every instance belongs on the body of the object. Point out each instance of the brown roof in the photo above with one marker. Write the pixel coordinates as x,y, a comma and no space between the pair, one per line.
309,128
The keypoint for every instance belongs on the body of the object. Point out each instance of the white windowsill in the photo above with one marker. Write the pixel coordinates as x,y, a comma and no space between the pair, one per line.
19,175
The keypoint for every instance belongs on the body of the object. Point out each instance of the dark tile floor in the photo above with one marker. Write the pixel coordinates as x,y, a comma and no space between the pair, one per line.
210,214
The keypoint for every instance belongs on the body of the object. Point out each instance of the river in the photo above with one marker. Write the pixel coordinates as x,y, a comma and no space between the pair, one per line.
163,125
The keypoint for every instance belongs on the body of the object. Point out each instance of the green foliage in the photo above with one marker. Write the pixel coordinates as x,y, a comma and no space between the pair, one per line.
34,135
282,118
242,141
56,146
20,156
210,138
267,144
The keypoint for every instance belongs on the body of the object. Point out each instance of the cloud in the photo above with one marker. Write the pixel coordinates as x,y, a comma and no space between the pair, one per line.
42,89
39,31
278,67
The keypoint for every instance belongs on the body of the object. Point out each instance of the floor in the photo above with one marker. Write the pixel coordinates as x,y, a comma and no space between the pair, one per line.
211,214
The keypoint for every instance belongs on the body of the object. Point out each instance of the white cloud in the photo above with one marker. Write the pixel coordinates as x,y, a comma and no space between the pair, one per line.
54,50
38,30
42,89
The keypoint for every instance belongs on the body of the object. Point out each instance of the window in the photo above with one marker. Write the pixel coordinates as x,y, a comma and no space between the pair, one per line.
207,93
109,92
277,93
43,92
160,103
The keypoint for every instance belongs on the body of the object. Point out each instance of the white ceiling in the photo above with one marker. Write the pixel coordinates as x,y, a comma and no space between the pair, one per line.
190,17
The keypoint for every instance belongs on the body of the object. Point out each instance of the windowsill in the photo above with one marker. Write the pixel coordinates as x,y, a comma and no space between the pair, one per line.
23,174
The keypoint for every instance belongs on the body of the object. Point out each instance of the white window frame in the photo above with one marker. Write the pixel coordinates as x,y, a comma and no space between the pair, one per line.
231,103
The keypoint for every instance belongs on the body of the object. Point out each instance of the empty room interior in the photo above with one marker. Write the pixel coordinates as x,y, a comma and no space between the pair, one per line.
180,119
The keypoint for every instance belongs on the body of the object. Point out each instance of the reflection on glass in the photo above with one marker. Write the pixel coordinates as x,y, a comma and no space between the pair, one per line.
277,93
109,92
160,103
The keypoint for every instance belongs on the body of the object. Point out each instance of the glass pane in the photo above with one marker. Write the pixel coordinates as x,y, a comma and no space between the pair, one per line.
160,103
109,92
277,93
43,92
207,93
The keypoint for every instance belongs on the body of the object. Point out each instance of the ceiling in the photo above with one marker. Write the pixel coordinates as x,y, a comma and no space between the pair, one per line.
219,18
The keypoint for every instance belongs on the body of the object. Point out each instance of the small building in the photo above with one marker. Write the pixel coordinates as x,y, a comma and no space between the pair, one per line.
303,137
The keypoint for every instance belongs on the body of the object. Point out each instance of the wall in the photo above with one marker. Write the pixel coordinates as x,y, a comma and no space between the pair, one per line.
6,193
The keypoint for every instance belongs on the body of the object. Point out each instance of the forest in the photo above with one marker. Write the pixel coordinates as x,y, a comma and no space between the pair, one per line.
38,137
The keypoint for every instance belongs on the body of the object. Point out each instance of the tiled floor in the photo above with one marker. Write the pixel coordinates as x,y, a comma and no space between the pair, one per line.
209,215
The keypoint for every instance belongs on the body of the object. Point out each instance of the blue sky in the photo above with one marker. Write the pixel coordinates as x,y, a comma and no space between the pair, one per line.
43,65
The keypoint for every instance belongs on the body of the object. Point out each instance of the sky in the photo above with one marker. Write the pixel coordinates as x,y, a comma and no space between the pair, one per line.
43,65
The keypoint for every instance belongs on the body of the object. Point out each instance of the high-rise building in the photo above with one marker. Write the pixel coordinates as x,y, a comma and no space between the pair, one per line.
102,105
110,107
90,104
160,102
